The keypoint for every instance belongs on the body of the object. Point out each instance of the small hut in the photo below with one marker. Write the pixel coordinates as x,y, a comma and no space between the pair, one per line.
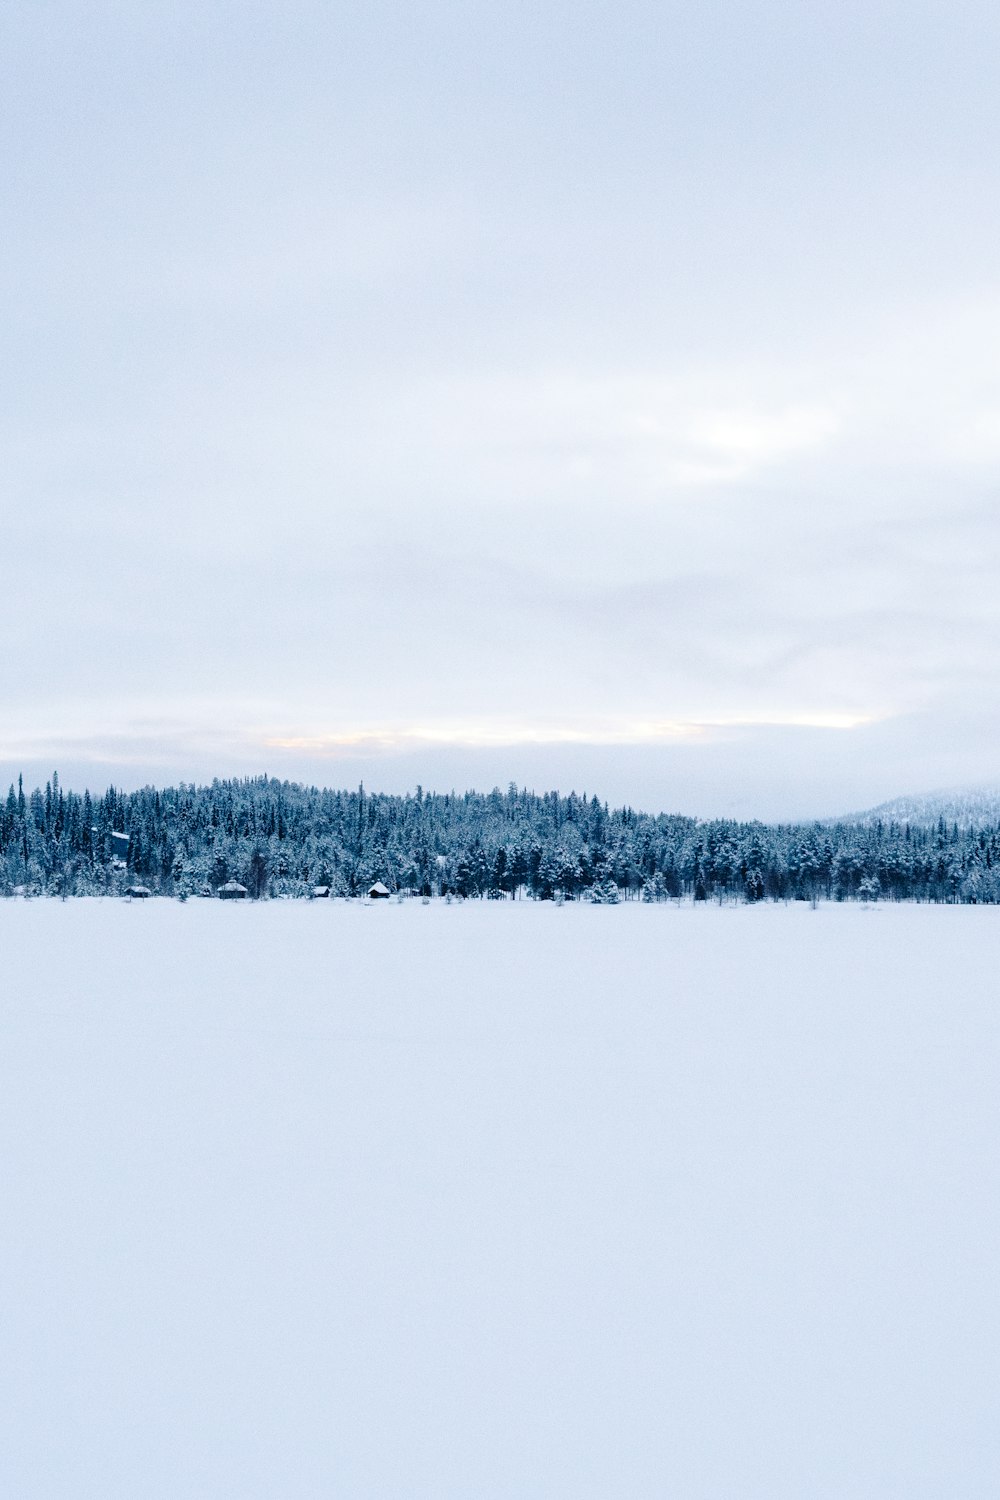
320,892
138,892
232,891
378,892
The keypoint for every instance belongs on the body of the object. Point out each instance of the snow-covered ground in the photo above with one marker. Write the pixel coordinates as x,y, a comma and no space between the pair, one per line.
304,1201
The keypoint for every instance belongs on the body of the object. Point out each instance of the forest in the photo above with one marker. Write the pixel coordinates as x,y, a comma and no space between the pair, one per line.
277,838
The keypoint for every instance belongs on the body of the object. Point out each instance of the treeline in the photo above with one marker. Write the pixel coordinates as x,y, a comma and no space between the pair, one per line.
280,839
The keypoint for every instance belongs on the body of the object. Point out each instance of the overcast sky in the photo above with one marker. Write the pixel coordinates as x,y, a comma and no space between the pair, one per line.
589,395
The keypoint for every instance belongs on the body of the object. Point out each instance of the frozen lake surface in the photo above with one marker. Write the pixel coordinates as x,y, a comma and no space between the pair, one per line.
305,1201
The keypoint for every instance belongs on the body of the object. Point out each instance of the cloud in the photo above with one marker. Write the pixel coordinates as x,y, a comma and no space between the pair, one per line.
484,734
563,435
177,733
343,431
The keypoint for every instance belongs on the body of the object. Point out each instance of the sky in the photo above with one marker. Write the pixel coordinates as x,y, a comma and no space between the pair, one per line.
601,398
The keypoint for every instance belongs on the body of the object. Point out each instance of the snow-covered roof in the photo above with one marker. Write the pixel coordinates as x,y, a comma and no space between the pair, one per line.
378,889
233,885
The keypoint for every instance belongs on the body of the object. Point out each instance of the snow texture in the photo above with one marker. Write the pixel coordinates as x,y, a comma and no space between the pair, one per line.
968,807
497,1201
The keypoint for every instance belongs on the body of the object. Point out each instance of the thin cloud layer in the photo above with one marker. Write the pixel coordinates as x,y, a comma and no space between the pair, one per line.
382,393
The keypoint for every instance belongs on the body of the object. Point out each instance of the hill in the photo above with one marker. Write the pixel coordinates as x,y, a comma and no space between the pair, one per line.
968,807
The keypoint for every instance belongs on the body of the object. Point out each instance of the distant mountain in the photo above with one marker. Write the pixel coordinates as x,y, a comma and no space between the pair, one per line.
969,807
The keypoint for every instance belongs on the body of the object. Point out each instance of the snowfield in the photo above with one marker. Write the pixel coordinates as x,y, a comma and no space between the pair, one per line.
499,1201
